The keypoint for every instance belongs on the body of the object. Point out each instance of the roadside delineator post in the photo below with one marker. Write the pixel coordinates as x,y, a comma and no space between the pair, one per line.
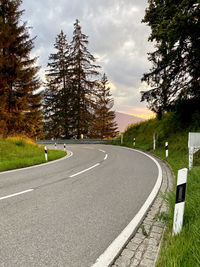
134,141
193,146
191,153
122,139
45,153
154,141
166,149
180,201
64,147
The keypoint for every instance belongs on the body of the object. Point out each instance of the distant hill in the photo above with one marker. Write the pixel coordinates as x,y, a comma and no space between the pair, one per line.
123,120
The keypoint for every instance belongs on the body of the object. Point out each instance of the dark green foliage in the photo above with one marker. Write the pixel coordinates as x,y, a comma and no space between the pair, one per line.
175,74
75,101
188,112
71,88
58,93
19,106
103,125
84,81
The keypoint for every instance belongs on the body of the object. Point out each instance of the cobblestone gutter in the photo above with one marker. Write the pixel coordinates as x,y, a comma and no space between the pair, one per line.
142,250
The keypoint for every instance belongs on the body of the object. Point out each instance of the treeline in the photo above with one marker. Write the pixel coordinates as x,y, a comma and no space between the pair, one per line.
77,99
175,73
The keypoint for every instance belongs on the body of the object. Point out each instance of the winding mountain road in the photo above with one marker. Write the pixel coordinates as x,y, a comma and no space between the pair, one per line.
67,213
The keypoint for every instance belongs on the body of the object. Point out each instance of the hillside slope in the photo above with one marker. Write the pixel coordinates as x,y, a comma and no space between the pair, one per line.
183,249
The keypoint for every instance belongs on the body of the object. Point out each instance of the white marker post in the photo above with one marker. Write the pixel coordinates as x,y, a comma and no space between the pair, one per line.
134,141
45,153
64,147
193,146
166,149
122,139
180,201
55,146
154,141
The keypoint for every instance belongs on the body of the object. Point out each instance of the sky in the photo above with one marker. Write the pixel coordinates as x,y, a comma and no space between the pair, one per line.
116,36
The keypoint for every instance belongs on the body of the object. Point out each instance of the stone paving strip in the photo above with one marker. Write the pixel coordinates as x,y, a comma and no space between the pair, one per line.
142,250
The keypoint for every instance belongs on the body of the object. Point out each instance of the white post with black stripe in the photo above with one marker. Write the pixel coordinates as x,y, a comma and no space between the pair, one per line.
166,149
55,146
134,141
64,147
180,201
45,153
122,139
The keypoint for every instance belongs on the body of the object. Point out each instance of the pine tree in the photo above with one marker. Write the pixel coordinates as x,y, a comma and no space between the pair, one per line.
20,107
103,125
57,98
83,81
175,75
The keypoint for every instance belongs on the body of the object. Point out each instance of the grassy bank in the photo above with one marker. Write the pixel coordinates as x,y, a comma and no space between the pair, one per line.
184,249
17,152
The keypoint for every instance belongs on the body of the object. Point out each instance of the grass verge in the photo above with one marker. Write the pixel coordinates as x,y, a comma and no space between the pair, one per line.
18,152
184,249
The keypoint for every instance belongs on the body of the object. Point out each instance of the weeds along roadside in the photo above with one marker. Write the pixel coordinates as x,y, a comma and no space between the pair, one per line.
183,249
18,152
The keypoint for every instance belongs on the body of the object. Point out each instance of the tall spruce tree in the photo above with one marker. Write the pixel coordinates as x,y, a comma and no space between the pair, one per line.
83,81
57,97
174,76
103,125
20,107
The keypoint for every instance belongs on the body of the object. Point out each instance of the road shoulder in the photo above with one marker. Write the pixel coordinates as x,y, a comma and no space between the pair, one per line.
143,249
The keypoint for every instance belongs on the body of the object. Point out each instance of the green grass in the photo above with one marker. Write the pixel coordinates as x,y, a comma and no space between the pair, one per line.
17,152
184,249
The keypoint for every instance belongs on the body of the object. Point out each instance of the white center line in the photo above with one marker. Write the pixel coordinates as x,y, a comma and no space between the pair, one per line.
105,156
85,170
16,194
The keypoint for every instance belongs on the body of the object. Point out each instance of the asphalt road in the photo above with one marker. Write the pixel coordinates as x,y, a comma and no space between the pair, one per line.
75,207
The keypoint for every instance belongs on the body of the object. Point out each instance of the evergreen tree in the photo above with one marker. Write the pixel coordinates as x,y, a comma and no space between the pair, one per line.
175,75
20,108
83,81
103,125
57,98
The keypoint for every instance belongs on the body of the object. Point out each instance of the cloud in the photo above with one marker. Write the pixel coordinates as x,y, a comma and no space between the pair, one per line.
116,37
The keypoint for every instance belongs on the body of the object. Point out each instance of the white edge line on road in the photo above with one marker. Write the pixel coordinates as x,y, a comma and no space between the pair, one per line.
16,194
109,255
102,150
106,156
85,170
40,165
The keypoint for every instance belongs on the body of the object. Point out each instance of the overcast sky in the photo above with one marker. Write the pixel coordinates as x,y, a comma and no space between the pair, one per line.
117,38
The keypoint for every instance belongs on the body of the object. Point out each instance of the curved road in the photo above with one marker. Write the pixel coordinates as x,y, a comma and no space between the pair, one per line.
67,213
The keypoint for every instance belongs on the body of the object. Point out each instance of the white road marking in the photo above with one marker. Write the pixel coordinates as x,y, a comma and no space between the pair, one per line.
69,154
16,194
102,150
107,258
85,170
105,156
